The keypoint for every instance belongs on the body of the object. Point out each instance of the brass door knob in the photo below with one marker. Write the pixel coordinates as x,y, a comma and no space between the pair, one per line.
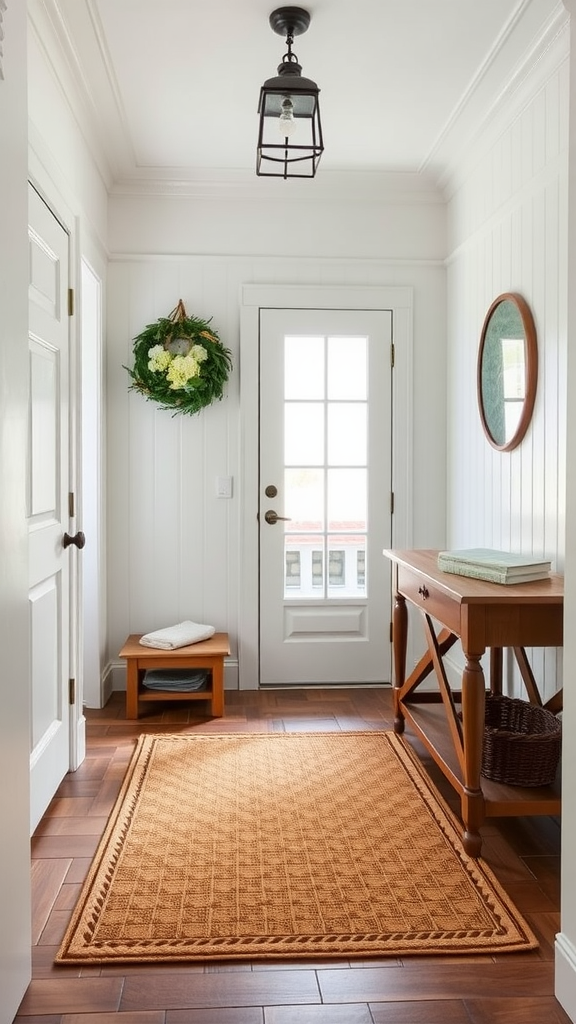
272,517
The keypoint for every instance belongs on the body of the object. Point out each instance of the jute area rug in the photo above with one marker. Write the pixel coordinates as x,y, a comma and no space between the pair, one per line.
284,845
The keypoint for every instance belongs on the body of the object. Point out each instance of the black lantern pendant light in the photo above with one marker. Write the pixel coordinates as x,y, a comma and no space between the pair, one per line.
289,134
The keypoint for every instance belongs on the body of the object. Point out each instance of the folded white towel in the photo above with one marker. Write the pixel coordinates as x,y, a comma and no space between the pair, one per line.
180,635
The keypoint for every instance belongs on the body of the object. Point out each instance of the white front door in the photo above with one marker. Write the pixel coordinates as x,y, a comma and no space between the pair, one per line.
325,490
47,499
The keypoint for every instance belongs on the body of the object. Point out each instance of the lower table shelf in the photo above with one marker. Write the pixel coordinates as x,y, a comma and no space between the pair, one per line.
428,721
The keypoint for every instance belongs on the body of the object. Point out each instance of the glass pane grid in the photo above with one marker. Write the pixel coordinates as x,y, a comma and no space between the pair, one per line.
326,472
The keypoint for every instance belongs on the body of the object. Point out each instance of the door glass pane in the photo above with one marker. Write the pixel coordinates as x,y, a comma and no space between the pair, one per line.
304,566
347,500
292,569
344,553
304,374
304,499
304,433
318,568
336,567
347,444
361,567
347,364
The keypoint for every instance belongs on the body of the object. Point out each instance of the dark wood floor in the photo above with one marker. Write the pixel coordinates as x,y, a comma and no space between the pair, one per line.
505,989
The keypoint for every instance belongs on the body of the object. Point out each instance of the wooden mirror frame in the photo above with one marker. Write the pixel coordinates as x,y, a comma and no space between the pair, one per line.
531,369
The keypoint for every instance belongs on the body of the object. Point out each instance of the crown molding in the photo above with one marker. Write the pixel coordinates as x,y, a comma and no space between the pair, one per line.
329,187
529,43
49,28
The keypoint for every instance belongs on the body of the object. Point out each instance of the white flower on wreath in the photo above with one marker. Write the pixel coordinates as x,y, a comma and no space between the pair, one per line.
199,353
181,370
158,359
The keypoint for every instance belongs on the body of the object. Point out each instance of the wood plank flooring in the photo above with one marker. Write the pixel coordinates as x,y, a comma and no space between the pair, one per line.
507,989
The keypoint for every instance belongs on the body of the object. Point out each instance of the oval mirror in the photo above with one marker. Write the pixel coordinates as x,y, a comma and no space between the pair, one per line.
507,371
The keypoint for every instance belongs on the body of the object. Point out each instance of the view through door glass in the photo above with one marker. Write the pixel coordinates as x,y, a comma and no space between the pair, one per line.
325,472
325,466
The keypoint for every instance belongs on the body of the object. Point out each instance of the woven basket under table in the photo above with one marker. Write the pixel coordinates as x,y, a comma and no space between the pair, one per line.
522,742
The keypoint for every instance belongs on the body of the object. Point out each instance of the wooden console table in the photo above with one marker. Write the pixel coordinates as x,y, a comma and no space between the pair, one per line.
481,615
207,654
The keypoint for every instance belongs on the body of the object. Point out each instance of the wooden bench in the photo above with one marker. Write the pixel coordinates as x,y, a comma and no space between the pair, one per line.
208,654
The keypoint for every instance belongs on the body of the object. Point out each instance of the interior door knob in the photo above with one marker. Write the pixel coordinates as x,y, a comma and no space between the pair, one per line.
78,539
272,517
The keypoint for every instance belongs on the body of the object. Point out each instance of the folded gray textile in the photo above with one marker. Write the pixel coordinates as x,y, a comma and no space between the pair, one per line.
180,635
176,679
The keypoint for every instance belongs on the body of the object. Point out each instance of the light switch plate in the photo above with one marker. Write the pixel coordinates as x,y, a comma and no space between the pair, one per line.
223,486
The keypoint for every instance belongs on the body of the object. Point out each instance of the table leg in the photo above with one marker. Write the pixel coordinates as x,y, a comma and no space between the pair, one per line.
131,688
218,688
473,701
496,670
399,644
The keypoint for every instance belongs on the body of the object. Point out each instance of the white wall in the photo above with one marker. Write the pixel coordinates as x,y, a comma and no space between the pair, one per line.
566,940
174,548
14,688
507,232
63,154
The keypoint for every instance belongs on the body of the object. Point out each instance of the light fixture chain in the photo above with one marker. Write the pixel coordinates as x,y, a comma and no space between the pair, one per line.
291,57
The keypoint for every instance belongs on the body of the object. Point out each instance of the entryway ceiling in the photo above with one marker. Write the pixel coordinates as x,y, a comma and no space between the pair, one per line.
171,86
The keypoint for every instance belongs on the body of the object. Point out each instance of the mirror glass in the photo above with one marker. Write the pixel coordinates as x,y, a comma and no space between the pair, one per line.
507,371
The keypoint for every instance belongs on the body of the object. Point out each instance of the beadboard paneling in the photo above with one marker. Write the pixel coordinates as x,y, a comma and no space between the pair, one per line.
174,547
507,229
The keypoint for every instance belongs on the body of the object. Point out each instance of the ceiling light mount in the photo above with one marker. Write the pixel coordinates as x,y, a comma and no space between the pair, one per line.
289,21
289,104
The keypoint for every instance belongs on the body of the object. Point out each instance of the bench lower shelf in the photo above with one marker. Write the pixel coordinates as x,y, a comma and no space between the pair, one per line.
207,654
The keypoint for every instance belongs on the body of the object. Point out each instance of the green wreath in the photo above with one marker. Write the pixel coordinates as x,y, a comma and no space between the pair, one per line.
180,362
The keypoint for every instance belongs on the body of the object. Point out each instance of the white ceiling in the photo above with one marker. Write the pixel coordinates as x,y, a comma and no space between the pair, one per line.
172,86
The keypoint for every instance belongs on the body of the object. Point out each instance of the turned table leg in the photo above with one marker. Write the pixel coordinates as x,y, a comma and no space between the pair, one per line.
496,670
473,700
399,644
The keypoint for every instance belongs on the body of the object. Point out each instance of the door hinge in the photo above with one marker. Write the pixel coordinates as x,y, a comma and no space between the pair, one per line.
391,632
70,302
71,505
392,355
391,503
71,691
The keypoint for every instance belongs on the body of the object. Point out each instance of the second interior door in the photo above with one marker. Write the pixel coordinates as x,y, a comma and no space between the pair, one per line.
48,512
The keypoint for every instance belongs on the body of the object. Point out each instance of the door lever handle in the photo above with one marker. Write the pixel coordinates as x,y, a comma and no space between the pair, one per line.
272,517
78,539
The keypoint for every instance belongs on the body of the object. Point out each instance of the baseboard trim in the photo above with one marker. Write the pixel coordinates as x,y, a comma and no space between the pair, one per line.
565,974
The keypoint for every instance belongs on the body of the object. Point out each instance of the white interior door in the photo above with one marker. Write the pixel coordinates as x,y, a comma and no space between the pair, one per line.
325,488
48,512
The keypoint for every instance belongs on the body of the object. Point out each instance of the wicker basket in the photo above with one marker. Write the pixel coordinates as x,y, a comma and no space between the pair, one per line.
522,742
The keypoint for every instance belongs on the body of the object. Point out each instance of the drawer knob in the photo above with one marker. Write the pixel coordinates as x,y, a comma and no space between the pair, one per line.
424,592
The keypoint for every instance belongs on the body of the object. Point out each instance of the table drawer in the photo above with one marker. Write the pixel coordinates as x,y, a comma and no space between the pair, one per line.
431,599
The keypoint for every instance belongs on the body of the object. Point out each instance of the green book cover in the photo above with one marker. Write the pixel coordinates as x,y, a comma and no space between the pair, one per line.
491,574
505,563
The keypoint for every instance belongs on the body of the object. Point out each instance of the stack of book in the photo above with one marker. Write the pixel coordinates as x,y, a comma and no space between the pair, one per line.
494,566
